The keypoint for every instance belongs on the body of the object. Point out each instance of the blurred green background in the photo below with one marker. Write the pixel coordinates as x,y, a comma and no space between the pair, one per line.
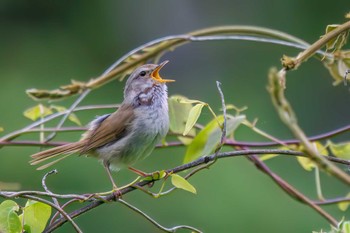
45,44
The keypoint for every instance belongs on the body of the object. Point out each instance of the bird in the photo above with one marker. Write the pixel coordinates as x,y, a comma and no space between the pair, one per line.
127,135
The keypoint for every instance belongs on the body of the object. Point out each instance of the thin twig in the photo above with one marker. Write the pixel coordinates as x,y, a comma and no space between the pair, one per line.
291,190
326,135
310,51
228,141
332,201
16,133
63,206
69,111
154,222
43,183
224,125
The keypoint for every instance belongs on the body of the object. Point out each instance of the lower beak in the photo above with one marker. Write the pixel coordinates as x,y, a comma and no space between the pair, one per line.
155,74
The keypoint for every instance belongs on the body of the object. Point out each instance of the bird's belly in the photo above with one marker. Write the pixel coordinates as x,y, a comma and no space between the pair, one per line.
146,132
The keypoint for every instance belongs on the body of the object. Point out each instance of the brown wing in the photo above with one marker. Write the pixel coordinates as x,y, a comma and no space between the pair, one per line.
109,129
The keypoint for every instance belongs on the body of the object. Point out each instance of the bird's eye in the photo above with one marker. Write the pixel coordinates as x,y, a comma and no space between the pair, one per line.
142,73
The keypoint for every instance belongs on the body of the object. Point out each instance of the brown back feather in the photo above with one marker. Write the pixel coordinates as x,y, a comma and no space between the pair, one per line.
54,152
110,129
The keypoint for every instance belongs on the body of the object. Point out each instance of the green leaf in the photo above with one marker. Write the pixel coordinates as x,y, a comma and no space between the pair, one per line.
209,137
188,101
346,227
9,220
35,216
307,163
37,111
341,150
1,129
178,113
182,183
72,117
193,117
268,156
343,206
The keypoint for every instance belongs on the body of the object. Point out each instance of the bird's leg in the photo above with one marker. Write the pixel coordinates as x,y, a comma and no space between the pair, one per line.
117,193
140,173
154,175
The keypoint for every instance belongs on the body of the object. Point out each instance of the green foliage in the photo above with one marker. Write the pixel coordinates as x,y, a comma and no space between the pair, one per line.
36,112
340,150
193,117
209,137
182,183
40,111
307,163
72,117
34,217
344,205
178,115
9,220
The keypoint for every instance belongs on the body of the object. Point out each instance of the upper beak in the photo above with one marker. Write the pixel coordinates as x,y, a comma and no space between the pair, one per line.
155,74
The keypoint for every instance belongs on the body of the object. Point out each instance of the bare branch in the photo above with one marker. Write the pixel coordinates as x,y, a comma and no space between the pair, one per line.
154,222
291,190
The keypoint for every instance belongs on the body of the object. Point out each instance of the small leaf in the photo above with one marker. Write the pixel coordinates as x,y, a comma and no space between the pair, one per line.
209,137
268,156
9,220
307,163
343,206
37,111
186,141
72,117
233,107
182,183
178,113
35,216
345,227
1,129
340,150
188,101
193,117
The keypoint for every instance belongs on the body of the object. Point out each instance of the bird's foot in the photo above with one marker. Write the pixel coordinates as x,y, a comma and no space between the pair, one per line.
117,193
157,175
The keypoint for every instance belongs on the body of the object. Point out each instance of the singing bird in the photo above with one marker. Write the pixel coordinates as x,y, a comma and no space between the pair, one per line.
129,134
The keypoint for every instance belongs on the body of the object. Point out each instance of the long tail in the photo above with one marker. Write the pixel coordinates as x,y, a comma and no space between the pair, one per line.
61,152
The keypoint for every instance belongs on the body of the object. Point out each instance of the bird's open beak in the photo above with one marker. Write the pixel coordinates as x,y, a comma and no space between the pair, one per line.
155,74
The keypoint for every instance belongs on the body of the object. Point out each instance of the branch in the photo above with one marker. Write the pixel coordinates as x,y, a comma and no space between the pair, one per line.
291,190
16,133
202,160
173,229
155,48
288,117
